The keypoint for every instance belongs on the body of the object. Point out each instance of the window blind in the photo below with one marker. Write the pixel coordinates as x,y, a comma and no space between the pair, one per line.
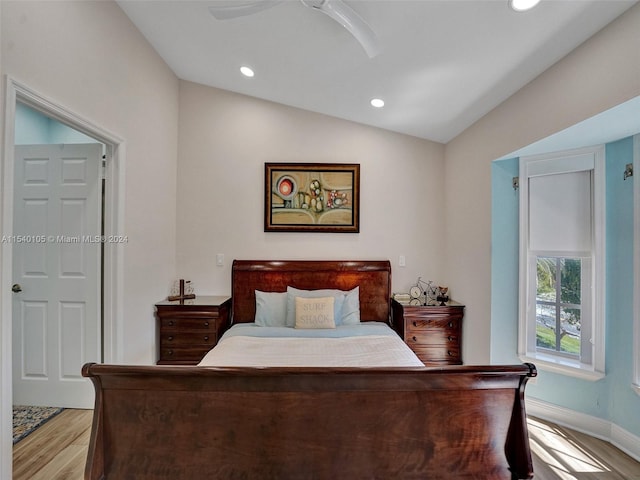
560,212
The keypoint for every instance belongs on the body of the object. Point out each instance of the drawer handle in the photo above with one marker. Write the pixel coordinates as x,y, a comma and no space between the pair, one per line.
171,323
450,338
170,338
415,324
206,324
449,353
450,324
170,352
206,338
414,339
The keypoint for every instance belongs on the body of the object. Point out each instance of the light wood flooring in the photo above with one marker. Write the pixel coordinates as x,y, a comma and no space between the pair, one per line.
55,451
562,453
58,449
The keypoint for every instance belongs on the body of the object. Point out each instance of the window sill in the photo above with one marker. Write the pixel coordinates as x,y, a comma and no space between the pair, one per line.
563,367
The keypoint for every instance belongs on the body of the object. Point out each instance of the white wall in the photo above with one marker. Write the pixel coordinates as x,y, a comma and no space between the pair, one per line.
601,73
6,418
224,141
88,57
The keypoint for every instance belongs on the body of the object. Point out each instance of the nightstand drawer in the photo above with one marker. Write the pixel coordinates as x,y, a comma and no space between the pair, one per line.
191,354
436,337
435,323
438,354
168,338
184,324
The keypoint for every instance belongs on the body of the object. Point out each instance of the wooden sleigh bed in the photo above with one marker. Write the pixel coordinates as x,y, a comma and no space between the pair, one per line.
208,422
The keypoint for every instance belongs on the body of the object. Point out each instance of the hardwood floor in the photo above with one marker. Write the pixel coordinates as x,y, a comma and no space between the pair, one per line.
58,449
562,453
55,451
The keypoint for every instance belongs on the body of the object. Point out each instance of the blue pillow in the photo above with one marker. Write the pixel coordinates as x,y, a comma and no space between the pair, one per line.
271,309
351,307
351,313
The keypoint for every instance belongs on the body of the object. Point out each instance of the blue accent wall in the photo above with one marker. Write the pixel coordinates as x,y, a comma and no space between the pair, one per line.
34,128
611,398
504,262
31,127
619,308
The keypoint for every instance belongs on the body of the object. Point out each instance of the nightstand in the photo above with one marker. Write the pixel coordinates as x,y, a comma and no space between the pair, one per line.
189,329
433,332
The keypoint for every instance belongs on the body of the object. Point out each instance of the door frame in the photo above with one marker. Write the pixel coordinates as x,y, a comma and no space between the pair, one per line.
113,269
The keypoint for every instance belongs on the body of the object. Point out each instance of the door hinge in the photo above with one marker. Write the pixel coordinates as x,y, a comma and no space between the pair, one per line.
103,168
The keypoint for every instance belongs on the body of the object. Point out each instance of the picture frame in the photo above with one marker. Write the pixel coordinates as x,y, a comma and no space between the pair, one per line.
312,197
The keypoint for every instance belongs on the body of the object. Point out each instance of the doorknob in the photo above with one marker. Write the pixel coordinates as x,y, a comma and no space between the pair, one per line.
16,288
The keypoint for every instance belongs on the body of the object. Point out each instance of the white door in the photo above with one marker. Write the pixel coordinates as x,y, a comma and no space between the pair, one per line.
56,266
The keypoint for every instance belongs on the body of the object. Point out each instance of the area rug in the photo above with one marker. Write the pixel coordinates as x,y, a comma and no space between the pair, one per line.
27,418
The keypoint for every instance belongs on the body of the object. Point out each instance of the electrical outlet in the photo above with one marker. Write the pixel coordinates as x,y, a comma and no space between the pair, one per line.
220,259
402,261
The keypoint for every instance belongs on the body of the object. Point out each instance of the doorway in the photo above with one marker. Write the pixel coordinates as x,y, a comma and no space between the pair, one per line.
57,262
112,264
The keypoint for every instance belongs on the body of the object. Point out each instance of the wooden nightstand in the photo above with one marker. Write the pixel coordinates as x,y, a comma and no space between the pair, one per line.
189,329
434,332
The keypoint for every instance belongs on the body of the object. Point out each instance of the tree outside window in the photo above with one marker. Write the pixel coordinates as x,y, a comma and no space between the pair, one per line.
558,304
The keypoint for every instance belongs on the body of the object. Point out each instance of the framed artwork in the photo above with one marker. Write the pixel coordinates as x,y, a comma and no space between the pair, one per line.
312,197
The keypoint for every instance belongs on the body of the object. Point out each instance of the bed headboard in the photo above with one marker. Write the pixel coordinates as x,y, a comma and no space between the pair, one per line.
373,277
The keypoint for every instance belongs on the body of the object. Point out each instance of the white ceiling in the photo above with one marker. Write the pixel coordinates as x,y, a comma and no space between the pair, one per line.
443,64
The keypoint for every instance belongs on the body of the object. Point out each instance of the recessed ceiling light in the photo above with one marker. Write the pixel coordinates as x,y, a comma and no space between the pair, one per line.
523,5
246,71
377,102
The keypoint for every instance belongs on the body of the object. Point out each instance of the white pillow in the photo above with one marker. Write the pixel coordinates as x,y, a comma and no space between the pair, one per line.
292,293
344,314
271,309
315,312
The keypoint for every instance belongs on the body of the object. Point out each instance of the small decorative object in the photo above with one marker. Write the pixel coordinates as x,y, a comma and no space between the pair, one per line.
442,295
402,298
312,197
416,294
183,292
628,170
423,293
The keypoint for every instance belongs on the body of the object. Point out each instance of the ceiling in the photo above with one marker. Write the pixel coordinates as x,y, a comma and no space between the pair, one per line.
442,64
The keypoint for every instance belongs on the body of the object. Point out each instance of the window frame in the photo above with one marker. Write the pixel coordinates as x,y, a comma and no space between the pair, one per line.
585,159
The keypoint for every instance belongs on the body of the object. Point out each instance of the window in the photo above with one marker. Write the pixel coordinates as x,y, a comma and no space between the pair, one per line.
562,262
559,304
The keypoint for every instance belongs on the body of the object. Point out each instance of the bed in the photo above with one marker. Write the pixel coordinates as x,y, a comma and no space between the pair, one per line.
376,413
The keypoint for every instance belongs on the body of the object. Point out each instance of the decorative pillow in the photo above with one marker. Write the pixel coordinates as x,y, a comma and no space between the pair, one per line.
315,312
292,293
271,309
351,308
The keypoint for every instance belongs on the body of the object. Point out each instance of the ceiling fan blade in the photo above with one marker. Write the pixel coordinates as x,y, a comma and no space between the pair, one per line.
350,20
227,10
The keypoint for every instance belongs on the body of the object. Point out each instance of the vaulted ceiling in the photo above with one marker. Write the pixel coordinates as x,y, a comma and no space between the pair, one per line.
442,64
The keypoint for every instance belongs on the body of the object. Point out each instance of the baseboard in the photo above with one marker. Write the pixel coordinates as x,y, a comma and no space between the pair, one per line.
594,426
625,441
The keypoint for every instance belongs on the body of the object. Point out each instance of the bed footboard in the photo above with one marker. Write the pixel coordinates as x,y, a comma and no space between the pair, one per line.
169,422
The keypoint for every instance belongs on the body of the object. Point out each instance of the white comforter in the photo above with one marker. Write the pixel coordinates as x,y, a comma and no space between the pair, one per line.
365,345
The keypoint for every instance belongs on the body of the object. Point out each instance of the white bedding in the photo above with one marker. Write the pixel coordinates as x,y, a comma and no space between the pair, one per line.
368,344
